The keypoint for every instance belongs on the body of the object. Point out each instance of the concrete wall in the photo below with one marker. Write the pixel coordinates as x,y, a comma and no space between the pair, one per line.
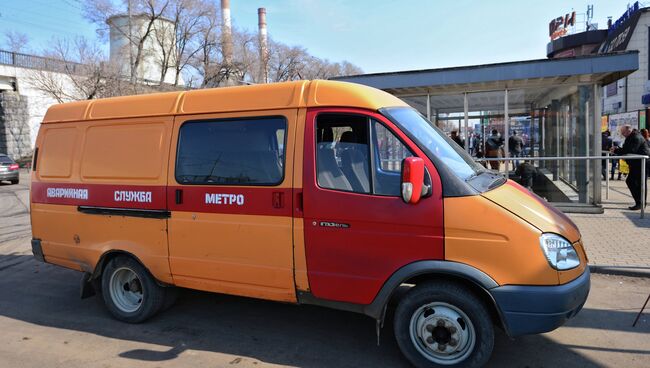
611,103
14,125
37,101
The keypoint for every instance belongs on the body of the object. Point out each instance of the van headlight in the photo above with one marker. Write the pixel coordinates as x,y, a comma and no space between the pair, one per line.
559,252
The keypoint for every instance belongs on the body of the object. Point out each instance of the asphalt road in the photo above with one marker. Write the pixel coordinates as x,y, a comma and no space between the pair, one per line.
44,323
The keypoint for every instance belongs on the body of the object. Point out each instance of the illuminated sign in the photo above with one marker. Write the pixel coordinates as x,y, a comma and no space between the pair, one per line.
558,26
624,18
620,33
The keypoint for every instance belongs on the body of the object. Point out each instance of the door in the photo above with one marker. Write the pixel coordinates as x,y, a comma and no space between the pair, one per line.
358,231
230,229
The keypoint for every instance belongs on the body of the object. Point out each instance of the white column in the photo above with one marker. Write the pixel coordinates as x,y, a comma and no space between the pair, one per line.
506,130
597,143
428,107
587,163
466,123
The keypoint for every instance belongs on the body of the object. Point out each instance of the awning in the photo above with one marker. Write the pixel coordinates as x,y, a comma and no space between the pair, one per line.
600,69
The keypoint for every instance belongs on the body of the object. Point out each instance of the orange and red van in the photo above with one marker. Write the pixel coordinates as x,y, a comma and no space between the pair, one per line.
310,192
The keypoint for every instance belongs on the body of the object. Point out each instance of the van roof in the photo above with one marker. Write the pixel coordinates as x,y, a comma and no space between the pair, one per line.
317,93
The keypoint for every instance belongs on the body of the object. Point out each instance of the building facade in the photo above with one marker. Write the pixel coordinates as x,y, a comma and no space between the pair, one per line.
626,100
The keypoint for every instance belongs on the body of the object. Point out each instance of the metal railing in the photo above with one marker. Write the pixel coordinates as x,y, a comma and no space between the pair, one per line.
37,62
644,176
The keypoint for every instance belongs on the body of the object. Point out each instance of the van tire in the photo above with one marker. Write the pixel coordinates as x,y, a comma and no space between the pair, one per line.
129,291
15,181
461,319
171,294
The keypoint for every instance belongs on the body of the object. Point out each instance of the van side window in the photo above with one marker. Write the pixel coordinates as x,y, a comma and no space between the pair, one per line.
232,152
342,152
357,154
390,152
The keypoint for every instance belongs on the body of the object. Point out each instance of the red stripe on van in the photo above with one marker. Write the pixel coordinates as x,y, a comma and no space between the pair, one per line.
147,197
265,201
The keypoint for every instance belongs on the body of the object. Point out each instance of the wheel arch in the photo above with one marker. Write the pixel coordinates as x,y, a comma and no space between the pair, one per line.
474,279
113,253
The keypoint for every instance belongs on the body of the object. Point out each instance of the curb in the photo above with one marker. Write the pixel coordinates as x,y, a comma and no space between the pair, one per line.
630,271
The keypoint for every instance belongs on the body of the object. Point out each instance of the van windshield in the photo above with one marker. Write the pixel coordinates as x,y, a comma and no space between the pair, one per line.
434,142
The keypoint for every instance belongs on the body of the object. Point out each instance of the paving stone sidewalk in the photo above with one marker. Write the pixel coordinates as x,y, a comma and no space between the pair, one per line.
617,240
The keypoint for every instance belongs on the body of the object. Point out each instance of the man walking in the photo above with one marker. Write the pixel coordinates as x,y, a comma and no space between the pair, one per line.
515,146
494,149
636,145
456,138
607,144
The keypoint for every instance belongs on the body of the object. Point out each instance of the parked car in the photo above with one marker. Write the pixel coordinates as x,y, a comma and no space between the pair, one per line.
309,192
9,169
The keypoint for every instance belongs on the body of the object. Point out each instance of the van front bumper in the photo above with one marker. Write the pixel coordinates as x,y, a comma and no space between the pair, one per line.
536,309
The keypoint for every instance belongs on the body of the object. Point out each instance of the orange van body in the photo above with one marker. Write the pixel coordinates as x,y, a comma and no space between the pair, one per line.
107,181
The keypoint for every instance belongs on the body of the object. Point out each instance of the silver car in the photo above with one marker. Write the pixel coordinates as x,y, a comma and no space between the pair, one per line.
8,169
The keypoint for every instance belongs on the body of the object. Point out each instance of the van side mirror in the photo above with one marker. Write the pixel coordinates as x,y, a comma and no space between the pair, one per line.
413,180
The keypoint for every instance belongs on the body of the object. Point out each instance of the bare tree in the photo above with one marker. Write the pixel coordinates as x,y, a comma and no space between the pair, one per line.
286,63
195,28
177,38
16,41
77,70
205,61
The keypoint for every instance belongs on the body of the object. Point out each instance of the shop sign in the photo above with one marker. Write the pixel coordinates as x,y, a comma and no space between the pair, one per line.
619,33
558,26
642,124
632,10
616,122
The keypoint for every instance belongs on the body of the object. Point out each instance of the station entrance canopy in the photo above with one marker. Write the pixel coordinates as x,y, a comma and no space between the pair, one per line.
553,104
545,75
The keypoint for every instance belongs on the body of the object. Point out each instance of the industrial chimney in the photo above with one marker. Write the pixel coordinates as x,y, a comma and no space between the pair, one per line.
264,51
226,32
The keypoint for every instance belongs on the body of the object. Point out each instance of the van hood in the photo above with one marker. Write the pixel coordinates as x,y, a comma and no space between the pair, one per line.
533,209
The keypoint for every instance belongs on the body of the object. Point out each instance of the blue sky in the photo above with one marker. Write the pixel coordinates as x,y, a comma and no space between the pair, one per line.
377,35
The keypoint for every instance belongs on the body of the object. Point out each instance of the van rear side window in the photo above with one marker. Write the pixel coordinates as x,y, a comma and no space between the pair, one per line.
232,152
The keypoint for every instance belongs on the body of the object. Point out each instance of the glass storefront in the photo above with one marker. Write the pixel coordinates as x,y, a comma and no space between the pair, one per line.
545,121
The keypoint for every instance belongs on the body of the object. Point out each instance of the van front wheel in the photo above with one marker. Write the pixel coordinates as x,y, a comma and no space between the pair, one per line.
443,324
130,292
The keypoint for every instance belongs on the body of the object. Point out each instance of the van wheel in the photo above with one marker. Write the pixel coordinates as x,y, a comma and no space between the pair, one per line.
130,292
443,324
15,181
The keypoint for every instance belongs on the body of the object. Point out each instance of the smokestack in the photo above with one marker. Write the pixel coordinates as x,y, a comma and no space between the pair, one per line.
226,32
264,53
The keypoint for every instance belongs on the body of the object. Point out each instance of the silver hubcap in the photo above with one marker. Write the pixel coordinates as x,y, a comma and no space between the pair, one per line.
442,333
126,290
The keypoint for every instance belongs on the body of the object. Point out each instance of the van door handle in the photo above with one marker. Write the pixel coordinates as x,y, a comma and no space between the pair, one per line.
278,200
179,196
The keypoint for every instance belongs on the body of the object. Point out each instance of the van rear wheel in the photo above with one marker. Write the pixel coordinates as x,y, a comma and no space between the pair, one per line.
130,292
443,324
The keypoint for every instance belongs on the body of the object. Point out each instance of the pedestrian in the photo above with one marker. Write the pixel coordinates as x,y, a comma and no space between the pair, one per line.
634,144
456,138
606,144
526,172
478,146
646,135
494,149
515,147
